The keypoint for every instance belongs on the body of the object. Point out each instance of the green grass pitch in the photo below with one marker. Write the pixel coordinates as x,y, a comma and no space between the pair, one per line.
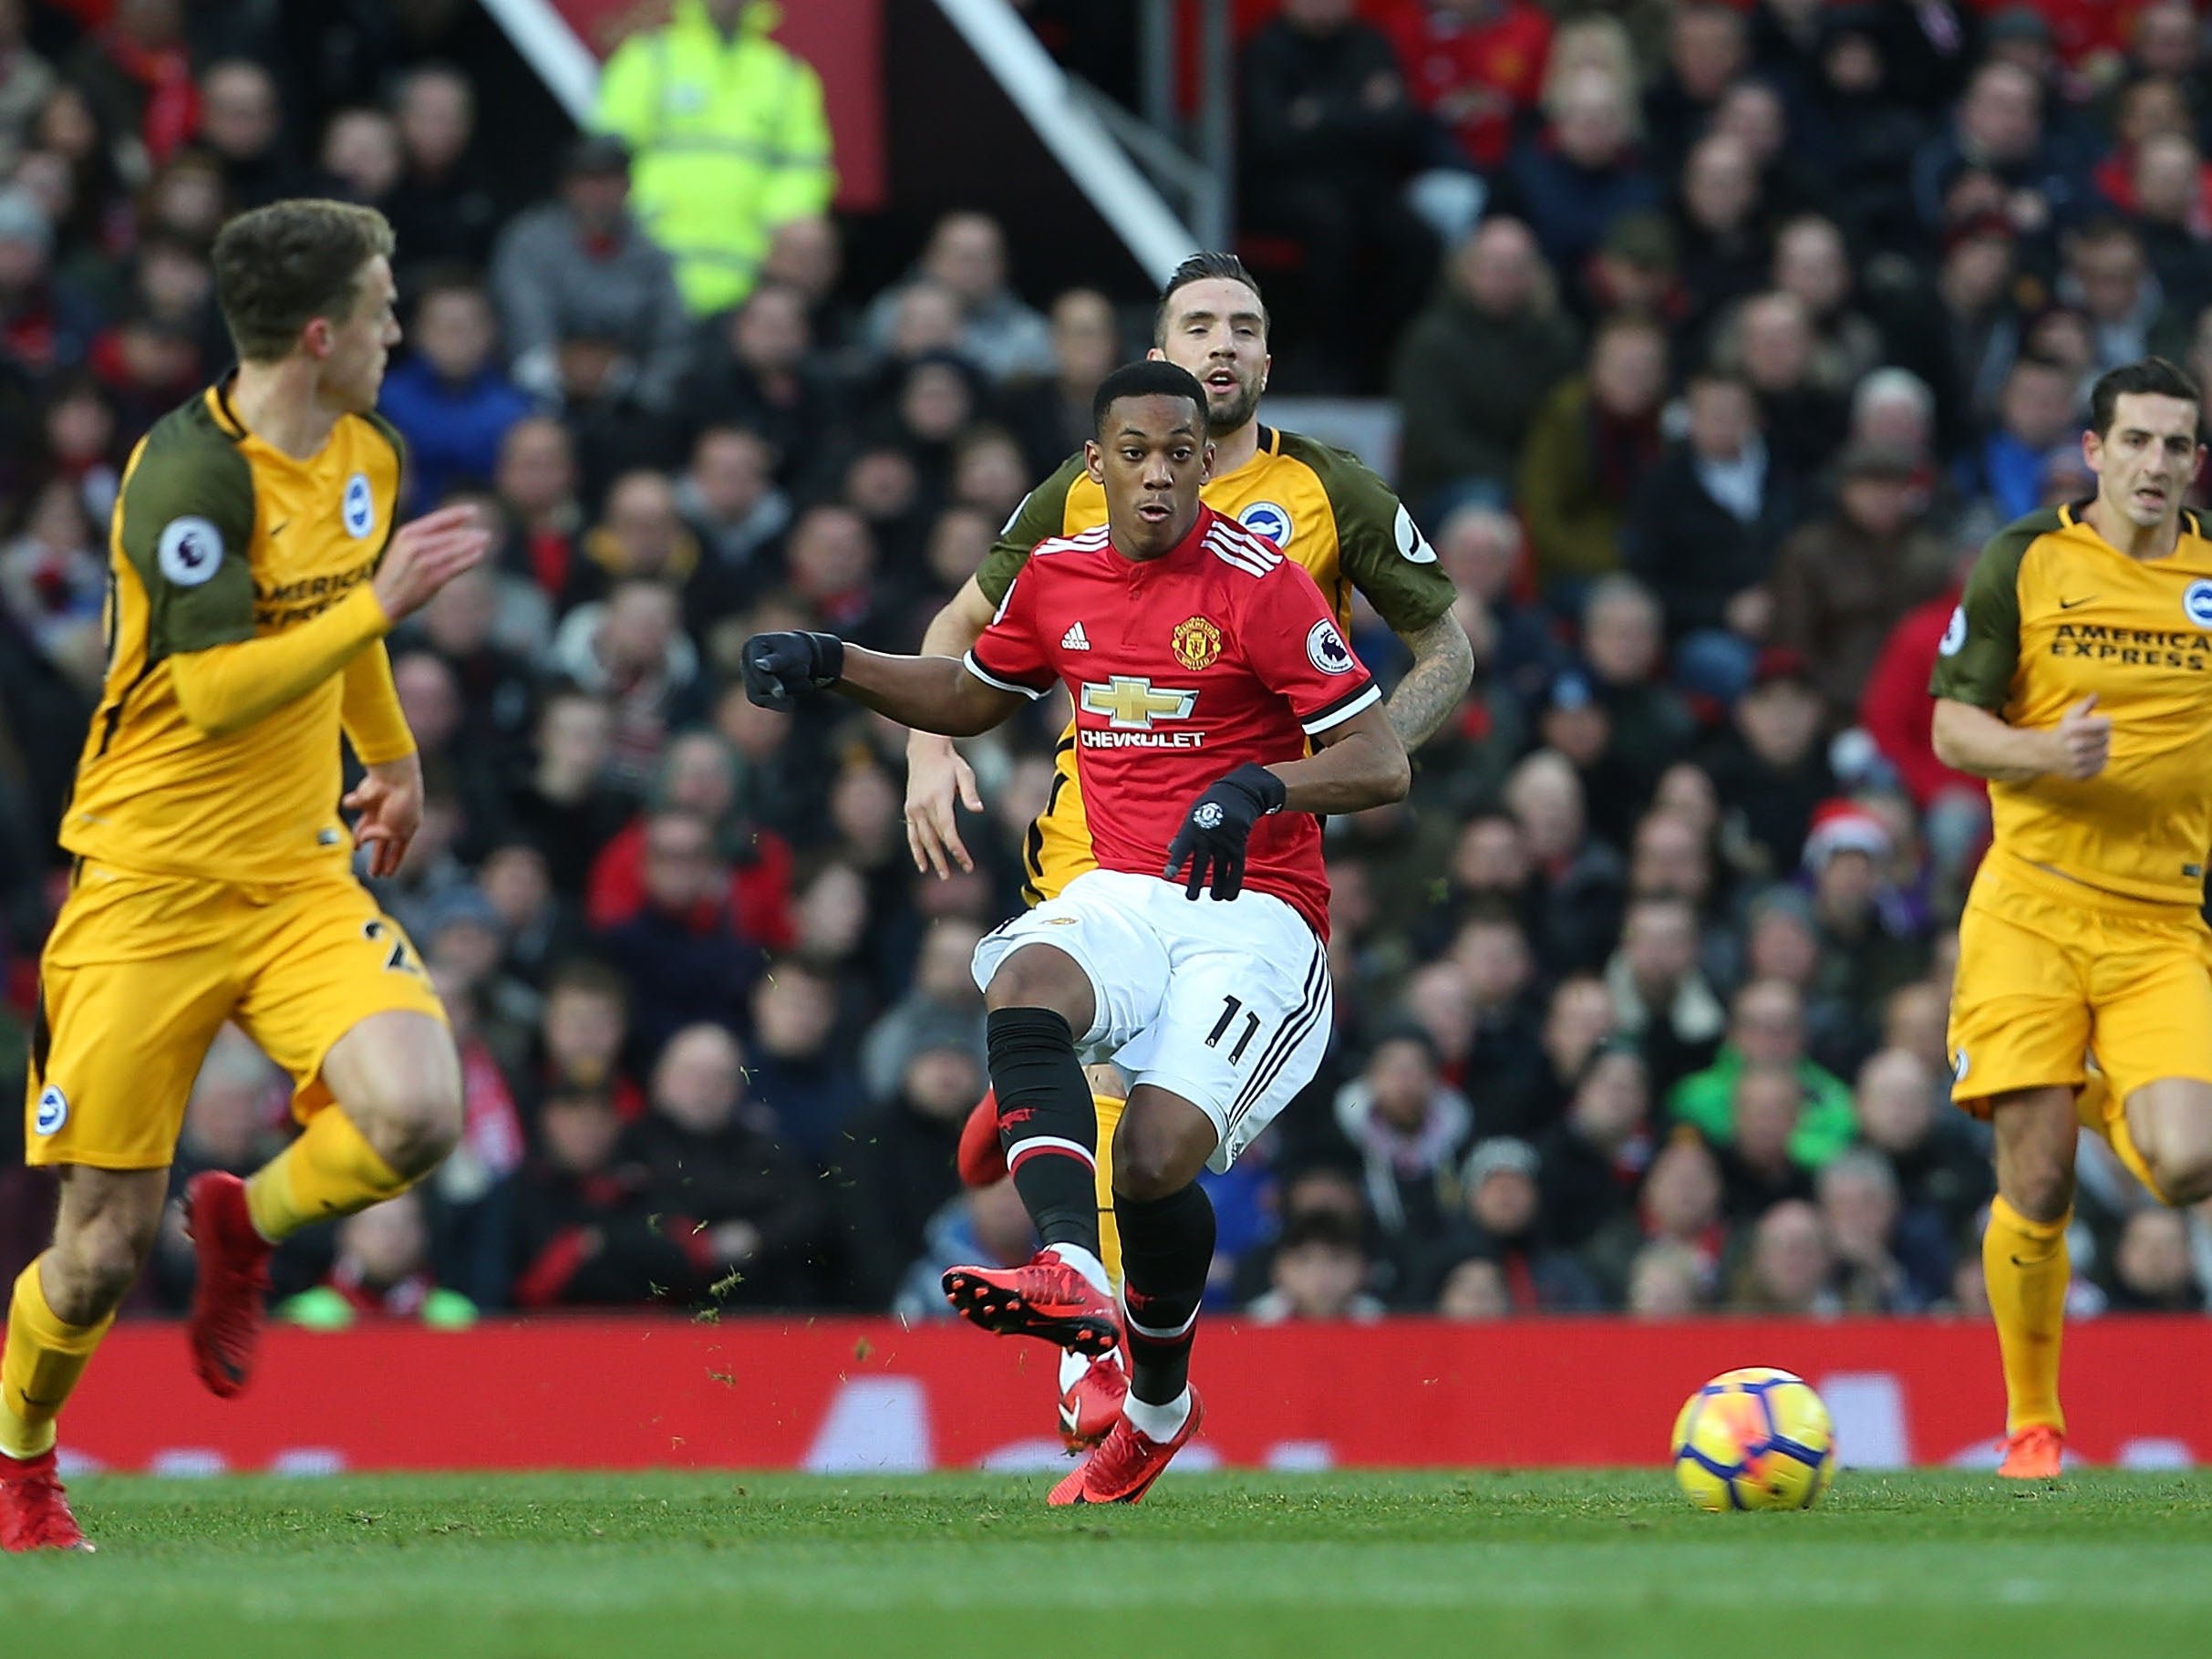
666,1566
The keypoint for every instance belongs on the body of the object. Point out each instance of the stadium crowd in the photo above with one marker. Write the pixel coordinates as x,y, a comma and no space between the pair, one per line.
1720,336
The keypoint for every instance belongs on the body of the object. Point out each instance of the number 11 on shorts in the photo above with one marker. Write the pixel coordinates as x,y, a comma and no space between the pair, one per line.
1221,1026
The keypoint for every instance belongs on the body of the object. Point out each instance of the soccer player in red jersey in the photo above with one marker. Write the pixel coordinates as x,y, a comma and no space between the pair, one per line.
1203,667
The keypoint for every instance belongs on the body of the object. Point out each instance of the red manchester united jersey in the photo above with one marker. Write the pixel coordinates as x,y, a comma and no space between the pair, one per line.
1183,668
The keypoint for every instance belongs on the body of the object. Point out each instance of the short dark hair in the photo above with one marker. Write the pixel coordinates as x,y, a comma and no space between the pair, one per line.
1149,378
1209,266
2155,375
281,267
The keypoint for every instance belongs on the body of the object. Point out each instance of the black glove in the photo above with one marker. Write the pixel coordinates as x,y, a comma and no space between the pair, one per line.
1220,823
780,667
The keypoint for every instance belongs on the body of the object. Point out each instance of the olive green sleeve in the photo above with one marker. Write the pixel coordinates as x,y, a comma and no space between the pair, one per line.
185,523
1043,513
1981,649
1379,549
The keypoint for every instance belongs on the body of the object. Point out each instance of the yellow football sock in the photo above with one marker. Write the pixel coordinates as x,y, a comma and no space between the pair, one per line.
42,1360
330,1170
2027,1269
1110,1231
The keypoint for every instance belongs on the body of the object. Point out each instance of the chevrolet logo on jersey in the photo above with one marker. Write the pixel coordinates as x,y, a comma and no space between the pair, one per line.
1131,704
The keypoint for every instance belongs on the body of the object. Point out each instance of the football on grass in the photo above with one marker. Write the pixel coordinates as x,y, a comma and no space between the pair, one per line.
1754,1439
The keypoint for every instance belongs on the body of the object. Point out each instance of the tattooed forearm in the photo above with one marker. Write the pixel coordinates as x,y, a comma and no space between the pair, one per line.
1443,664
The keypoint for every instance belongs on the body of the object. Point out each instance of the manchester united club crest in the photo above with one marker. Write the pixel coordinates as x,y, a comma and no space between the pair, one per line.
1196,642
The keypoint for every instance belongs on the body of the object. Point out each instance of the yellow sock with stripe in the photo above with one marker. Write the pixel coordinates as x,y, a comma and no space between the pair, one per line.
2027,1268
330,1170
42,1360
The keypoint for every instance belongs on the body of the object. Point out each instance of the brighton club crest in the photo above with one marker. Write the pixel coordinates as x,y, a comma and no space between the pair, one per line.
1196,642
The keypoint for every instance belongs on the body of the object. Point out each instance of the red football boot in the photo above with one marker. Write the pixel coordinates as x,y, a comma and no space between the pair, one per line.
1043,1298
2033,1454
1092,1404
1124,1468
229,1301
33,1511
981,1159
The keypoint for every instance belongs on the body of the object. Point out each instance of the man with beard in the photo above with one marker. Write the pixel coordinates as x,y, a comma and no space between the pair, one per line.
1317,504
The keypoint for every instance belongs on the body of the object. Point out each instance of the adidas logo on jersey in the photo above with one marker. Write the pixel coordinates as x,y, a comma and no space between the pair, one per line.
1074,640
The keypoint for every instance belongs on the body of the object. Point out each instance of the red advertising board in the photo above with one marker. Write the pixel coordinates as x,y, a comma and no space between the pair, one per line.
846,1396
841,38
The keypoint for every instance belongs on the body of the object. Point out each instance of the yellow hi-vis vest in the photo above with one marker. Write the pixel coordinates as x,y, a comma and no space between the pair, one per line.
728,141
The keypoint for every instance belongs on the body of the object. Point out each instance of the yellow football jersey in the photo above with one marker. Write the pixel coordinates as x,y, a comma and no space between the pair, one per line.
2054,612
1318,504
218,539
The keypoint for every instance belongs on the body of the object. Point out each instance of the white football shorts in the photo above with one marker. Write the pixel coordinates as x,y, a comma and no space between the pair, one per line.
1226,1004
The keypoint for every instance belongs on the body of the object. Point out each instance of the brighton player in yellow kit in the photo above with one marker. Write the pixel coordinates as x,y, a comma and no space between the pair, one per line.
253,572
2077,677
1320,506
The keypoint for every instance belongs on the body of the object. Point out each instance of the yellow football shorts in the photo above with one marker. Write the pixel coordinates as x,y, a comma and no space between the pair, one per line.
2050,969
140,972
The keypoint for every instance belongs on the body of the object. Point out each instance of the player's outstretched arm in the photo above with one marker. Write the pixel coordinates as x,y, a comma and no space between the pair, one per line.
932,693
1426,694
1970,739
937,777
225,689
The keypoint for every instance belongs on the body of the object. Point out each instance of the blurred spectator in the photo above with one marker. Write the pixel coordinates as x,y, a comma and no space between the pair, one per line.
1475,1289
895,1167
1679,1206
1052,416
137,75
2171,184
1581,172
1889,1259
1723,251
1702,530
1318,1272
942,1008
1473,368
539,923
758,370
1998,127
749,129
1330,137
630,647
25,81
494,685
1787,1270
44,325
994,329
1766,1030
361,156
1623,634
1943,1180
440,212
383,1270
751,1220
2109,277
1841,583
1707,48
230,1124
1590,1163
588,303
2035,414
1771,767
730,504
1503,1218
802,1067
242,125
1408,1129
450,401
563,804
1662,999
588,1230
535,479
683,952
1765,1106
1578,877
1475,65
583,1036
1588,449
2150,1269
1770,339
1812,262
1665,1281
54,582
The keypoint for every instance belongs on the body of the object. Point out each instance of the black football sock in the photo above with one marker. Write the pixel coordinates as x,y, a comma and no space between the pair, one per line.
1167,1251
1047,1124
